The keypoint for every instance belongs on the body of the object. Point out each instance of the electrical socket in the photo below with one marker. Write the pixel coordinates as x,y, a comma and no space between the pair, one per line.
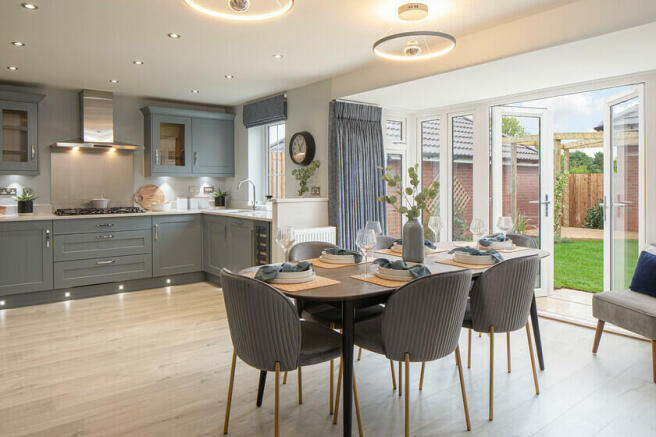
194,189
209,189
7,191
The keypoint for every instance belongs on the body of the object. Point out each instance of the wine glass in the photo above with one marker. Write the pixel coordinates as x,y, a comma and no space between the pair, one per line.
365,240
285,238
374,226
435,225
505,224
478,229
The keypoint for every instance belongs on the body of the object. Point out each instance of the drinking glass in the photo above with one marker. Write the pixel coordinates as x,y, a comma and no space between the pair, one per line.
435,225
374,226
505,224
285,238
365,240
477,229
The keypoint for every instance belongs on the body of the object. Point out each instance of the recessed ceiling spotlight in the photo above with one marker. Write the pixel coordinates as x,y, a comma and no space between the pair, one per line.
413,11
12,68
229,76
194,91
18,44
137,62
114,81
174,35
2,303
278,56
239,5
30,6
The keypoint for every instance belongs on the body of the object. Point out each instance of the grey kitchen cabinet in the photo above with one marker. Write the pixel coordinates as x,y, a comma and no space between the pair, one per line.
177,244
241,236
102,270
182,142
216,253
19,148
26,257
70,247
105,224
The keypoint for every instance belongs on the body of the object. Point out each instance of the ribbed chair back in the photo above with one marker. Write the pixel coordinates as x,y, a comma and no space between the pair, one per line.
502,296
384,242
308,250
522,240
424,317
264,326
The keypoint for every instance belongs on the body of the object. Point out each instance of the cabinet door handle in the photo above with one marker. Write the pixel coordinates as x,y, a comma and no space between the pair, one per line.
156,232
105,237
156,157
105,225
109,261
33,151
195,158
48,238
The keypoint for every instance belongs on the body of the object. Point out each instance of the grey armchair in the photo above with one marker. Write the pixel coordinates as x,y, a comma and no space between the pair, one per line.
267,334
384,242
500,302
421,322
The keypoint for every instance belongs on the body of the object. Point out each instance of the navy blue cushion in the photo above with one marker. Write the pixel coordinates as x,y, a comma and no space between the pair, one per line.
644,278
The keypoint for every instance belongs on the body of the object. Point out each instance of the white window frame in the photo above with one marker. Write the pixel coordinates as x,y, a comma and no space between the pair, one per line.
267,187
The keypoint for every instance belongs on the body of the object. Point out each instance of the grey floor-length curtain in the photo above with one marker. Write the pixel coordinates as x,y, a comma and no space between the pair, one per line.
356,159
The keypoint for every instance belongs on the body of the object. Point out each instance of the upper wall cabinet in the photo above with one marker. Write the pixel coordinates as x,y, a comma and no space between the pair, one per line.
19,148
182,142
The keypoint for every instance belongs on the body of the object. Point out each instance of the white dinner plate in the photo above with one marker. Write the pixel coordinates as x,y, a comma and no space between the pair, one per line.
296,275
393,278
337,259
280,280
473,259
403,274
499,245
398,248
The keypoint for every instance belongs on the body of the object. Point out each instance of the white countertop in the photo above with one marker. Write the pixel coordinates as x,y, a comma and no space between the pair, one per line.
260,215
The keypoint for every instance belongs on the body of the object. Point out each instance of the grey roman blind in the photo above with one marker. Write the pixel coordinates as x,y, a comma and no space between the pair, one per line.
269,110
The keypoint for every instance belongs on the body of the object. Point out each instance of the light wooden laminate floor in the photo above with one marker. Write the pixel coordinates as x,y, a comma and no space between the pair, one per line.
155,363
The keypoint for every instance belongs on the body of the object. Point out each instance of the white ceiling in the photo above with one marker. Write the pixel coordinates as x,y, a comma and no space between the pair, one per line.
85,43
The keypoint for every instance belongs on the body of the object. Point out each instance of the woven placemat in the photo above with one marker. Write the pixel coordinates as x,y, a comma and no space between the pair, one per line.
399,254
317,282
453,262
319,263
379,281
514,249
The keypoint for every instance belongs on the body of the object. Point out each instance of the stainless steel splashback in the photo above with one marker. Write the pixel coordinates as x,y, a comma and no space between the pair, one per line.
77,177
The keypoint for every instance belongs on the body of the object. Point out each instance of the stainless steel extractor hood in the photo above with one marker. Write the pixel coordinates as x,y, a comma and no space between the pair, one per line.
97,113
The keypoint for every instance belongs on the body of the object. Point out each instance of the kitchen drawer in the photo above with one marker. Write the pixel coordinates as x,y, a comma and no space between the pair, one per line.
70,247
109,224
102,270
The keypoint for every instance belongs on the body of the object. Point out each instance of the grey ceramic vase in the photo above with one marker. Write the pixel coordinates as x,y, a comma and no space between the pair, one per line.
413,241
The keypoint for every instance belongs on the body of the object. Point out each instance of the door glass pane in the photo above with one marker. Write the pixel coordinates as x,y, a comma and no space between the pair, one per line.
172,144
276,160
14,136
430,167
394,165
624,191
462,145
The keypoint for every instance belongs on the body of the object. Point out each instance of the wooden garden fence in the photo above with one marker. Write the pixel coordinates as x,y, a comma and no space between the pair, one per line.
585,190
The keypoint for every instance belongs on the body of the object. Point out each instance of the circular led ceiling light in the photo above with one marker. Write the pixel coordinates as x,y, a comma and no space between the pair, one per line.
413,11
242,10
414,46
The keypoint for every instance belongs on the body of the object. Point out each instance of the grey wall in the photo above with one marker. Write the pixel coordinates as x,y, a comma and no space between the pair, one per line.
59,119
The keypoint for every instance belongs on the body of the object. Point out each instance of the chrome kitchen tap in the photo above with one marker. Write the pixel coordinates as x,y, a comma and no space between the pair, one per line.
241,182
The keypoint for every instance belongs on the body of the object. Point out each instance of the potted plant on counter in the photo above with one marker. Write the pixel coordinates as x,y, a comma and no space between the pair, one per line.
219,198
26,203
416,200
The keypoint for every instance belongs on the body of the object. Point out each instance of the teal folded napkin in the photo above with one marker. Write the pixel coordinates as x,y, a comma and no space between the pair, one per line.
357,256
427,243
494,238
270,272
473,251
416,270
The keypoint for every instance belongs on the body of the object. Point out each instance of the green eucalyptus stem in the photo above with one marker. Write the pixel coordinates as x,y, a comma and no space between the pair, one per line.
417,199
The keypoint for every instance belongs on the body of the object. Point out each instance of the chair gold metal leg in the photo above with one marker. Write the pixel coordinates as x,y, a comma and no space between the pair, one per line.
480,334
597,338
508,349
400,378
284,379
300,387
357,407
393,377
229,400
653,359
462,388
469,349
360,354
491,407
530,351
332,385
339,388
276,407
407,395
421,377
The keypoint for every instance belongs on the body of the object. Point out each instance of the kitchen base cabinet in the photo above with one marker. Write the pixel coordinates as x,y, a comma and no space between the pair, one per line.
177,244
98,271
215,244
25,257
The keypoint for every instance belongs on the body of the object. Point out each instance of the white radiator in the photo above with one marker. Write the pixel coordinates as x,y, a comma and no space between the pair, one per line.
325,233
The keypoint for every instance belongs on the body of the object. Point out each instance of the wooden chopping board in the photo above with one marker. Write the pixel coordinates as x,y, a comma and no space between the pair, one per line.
148,194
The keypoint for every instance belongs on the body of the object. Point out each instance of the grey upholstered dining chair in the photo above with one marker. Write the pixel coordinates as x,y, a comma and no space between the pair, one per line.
267,334
500,301
421,322
308,250
384,242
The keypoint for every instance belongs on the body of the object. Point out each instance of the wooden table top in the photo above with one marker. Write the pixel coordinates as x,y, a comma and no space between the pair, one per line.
354,289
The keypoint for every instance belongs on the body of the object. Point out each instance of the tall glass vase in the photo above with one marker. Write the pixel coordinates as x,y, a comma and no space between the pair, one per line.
413,241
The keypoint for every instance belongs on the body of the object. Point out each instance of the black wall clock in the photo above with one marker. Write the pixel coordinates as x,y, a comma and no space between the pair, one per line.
301,148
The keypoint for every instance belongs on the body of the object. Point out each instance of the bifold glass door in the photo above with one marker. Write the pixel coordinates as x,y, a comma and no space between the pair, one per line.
522,178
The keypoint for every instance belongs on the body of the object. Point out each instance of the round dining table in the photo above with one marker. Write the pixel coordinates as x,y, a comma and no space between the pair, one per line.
351,293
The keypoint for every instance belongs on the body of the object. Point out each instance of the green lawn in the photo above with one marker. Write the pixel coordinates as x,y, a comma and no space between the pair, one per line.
579,264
